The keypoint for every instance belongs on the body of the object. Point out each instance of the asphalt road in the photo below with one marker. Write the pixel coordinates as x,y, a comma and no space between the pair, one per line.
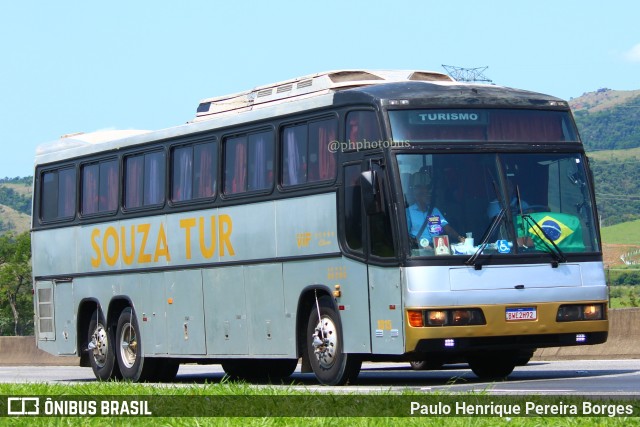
575,377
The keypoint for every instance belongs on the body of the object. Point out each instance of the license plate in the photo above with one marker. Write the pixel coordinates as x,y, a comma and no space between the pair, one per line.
522,313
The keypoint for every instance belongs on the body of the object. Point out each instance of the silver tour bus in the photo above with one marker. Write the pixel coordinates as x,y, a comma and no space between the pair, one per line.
332,219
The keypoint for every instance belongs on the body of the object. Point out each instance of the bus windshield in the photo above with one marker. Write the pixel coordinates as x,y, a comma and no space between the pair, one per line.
496,125
515,203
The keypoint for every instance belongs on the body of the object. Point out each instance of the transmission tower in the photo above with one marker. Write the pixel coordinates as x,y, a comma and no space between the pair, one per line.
467,74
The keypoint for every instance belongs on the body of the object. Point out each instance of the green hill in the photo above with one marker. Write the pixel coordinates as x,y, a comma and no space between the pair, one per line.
626,233
609,124
608,119
15,204
616,155
617,184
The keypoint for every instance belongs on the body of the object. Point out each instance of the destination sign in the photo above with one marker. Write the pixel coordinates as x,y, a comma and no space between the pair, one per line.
448,117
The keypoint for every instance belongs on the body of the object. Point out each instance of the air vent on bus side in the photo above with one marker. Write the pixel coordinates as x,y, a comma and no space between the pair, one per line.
285,88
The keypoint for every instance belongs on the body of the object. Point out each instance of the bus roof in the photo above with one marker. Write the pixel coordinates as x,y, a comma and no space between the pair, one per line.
309,85
295,95
289,96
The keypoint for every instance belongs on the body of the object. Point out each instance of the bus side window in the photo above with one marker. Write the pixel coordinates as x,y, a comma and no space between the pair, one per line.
58,195
362,127
100,187
193,172
260,170
67,193
248,162
144,179
380,231
353,208
306,154
294,155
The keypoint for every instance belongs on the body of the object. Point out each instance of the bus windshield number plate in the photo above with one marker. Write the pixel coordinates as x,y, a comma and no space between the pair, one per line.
522,313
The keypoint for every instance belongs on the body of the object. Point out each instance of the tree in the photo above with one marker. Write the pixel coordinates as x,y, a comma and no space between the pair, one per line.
15,281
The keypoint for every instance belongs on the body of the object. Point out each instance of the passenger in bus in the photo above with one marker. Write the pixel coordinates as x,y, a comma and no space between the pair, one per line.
494,205
518,207
425,220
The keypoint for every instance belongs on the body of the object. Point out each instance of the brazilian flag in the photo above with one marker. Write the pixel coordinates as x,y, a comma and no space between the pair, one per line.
563,229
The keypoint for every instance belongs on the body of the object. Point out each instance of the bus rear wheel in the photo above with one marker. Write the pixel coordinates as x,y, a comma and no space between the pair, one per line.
330,364
100,347
129,353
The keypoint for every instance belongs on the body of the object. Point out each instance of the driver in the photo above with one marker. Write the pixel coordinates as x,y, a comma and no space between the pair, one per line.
425,220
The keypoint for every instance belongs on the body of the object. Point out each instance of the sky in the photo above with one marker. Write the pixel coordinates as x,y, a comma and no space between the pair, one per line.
80,66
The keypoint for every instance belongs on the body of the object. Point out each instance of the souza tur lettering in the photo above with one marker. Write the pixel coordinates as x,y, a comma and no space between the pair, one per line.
147,243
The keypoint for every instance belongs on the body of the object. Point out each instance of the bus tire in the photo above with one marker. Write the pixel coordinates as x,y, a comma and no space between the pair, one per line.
524,356
129,353
101,350
330,364
426,365
492,366
165,369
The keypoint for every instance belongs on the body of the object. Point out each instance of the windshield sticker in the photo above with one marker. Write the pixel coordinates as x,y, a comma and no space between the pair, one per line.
503,246
441,245
435,224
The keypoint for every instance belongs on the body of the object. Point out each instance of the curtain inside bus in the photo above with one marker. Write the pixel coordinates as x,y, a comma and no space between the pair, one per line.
204,170
306,155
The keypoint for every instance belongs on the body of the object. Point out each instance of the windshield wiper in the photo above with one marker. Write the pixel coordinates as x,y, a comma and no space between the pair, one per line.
485,239
490,230
554,251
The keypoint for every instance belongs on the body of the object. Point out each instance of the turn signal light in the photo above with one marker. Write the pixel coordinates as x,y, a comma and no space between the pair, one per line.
415,318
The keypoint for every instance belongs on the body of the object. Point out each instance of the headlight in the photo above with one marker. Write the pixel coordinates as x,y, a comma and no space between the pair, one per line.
576,312
446,317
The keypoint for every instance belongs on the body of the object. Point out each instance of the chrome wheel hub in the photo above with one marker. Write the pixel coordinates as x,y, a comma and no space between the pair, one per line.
325,342
99,346
128,345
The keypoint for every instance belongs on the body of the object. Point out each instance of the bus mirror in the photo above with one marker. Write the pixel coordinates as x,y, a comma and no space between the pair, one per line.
370,194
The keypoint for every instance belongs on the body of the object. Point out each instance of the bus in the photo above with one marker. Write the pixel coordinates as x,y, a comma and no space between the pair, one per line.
327,220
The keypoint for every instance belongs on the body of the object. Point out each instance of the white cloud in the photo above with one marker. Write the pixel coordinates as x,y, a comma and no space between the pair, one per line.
633,54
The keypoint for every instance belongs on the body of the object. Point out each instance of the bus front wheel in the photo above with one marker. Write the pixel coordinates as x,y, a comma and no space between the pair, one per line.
493,365
330,364
100,347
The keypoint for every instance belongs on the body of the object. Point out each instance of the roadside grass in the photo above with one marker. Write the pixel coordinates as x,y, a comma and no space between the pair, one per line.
321,402
626,233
